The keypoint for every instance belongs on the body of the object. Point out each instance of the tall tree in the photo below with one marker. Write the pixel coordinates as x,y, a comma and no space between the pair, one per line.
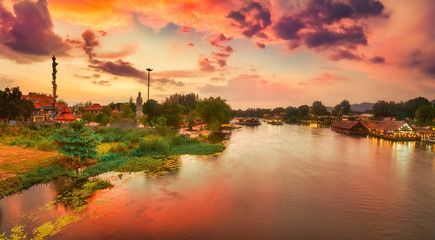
303,111
342,109
318,109
173,112
213,111
188,101
153,110
425,115
291,114
412,105
384,109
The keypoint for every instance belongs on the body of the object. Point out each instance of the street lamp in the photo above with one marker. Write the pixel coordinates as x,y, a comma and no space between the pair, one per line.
149,70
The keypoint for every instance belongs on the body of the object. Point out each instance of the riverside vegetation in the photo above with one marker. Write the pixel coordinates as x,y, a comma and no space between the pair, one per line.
86,153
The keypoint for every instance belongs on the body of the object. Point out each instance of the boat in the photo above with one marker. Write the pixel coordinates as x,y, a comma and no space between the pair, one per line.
226,130
275,122
249,122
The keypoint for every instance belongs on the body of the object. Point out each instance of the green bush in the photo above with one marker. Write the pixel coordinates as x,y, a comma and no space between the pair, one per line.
109,157
45,145
6,130
162,146
77,142
176,140
119,148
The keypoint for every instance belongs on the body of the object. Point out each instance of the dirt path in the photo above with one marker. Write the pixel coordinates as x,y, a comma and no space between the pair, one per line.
15,159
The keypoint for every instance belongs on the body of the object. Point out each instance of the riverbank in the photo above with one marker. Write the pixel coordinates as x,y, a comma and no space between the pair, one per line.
22,167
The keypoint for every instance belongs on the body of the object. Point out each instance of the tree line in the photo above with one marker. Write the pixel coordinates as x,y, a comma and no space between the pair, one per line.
167,116
419,111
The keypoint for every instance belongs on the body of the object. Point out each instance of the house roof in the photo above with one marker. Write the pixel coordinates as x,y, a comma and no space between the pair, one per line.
95,106
37,105
66,116
344,124
424,130
386,126
116,111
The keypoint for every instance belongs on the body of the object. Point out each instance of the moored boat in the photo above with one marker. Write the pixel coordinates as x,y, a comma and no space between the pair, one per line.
249,122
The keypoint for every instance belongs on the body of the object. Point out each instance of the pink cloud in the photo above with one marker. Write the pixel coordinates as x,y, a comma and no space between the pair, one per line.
29,32
206,65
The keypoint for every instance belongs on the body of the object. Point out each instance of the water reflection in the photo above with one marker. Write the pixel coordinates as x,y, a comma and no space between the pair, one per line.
271,182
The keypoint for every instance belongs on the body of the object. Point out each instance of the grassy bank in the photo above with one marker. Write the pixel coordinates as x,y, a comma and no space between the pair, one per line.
121,151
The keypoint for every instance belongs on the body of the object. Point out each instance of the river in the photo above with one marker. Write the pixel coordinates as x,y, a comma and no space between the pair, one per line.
272,182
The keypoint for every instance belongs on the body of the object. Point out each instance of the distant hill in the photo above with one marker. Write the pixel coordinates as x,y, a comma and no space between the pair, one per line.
362,107
433,101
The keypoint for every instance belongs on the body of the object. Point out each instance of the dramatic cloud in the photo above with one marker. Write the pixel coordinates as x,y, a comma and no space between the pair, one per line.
119,68
377,59
349,37
252,18
328,24
30,31
287,28
423,61
190,44
90,42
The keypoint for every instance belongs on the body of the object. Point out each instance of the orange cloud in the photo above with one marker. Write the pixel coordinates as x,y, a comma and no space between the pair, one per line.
203,15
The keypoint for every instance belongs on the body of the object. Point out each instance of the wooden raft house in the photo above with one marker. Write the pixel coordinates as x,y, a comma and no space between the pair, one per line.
427,134
349,127
393,130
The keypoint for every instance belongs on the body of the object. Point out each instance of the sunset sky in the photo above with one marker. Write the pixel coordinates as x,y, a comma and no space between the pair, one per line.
253,53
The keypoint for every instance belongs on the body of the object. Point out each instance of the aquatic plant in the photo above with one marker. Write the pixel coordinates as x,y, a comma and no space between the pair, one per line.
79,196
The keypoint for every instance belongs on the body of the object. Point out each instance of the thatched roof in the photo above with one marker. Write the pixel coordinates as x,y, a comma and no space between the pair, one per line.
386,126
344,124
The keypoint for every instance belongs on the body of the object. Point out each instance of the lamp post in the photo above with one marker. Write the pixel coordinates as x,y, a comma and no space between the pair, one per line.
149,70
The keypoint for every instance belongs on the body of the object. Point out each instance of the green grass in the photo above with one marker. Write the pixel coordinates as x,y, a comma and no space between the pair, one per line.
137,164
20,167
197,149
154,154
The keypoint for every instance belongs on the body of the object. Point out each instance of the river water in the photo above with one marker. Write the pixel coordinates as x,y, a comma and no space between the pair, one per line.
272,182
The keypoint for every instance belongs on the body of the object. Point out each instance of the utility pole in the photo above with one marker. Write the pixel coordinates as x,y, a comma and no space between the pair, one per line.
149,70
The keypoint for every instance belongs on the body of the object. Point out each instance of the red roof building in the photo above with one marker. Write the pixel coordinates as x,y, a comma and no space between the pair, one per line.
65,115
95,108
116,111
43,105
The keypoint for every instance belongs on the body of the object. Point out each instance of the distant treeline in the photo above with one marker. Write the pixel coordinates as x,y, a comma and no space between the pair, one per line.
418,110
